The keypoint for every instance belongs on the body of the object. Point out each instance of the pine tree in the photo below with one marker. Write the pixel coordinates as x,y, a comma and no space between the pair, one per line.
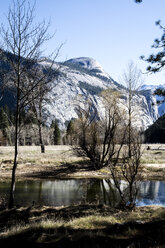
4,122
70,132
56,134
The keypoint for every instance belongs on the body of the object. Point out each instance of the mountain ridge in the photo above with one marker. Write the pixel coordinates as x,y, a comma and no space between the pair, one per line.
83,78
151,89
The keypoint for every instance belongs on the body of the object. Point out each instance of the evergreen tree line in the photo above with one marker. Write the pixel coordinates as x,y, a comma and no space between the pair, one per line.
28,133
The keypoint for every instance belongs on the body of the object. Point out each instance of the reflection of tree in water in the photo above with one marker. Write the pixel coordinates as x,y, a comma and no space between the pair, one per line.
149,189
105,192
39,193
78,191
153,189
68,192
27,192
111,194
93,193
102,192
63,192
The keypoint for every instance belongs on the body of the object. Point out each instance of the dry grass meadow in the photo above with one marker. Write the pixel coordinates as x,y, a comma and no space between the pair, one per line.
31,161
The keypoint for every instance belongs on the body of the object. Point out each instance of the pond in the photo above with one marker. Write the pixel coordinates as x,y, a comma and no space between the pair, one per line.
79,191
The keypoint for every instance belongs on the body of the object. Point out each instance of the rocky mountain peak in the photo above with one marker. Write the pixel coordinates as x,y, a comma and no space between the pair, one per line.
84,78
88,63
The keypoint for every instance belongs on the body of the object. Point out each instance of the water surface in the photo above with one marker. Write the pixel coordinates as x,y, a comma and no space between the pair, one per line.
79,191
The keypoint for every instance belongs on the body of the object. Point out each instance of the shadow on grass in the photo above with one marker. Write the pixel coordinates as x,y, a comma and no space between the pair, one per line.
126,235
129,234
31,215
63,170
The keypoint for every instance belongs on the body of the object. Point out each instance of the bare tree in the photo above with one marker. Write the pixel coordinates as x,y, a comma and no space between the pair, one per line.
47,81
98,137
128,170
132,78
22,41
104,141
37,108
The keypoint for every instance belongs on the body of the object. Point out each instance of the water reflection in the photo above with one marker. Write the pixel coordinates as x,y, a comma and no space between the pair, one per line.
69,192
151,193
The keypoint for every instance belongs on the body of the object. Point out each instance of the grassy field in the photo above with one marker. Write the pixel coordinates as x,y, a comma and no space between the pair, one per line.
156,154
31,160
61,153
32,154
60,161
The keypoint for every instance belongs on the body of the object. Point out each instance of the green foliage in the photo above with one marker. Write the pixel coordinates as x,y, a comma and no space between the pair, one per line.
56,133
160,92
4,122
70,128
70,132
156,132
157,61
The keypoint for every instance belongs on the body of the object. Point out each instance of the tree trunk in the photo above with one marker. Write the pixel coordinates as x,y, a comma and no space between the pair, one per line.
12,189
130,121
40,138
129,135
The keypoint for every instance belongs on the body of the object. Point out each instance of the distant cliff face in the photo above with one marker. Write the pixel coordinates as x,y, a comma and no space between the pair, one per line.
83,78
151,89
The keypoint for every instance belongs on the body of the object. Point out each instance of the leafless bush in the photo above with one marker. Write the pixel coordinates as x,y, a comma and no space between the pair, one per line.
97,138
104,141
128,170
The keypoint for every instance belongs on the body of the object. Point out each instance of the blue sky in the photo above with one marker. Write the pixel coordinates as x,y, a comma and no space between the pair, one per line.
113,32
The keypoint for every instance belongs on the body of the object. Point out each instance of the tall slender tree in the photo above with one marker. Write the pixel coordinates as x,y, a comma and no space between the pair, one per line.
70,132
22,41
56,133
48,80
133,80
